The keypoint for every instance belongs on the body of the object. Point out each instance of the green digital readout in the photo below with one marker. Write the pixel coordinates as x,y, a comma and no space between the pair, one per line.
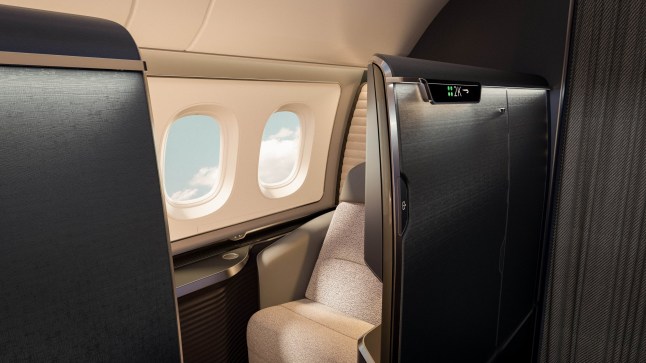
458,92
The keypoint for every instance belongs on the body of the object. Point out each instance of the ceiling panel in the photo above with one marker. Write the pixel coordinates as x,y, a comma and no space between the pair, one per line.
331,31
115,10
167,24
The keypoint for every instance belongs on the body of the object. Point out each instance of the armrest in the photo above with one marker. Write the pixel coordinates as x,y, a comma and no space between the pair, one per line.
285,267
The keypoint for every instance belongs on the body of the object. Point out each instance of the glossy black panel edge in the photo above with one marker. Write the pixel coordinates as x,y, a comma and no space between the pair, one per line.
412,67
373,200
44,32
379,217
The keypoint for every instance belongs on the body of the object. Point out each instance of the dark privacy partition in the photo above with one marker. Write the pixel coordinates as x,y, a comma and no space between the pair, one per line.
85,258
464,151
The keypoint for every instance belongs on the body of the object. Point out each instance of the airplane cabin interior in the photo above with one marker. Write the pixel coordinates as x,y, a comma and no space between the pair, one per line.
332,181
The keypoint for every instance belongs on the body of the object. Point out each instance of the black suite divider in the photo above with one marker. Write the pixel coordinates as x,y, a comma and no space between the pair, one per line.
85,256
468,162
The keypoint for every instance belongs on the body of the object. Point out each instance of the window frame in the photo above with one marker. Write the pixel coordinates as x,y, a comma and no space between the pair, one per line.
218,196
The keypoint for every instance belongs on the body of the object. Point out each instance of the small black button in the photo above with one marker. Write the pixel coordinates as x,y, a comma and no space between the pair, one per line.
405,205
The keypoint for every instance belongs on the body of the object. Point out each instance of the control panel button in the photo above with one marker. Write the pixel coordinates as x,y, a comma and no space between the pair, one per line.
404,206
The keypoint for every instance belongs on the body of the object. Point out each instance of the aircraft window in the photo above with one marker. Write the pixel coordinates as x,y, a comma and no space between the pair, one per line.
280,150
192,155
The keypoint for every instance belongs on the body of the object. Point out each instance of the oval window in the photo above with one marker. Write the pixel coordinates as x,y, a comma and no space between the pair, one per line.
192,158
280,150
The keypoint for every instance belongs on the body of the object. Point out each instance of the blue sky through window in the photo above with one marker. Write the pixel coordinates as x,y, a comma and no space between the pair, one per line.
192,158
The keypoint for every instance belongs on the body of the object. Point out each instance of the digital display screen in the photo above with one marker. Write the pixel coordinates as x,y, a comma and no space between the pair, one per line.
458,92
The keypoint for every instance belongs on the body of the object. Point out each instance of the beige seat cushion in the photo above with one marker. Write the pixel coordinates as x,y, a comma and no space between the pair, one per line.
341,279
304,331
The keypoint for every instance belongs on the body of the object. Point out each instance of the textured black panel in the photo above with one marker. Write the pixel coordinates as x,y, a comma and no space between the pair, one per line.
527,112
526,36
410,67
214,319
455,160
86,269
36,31
596,297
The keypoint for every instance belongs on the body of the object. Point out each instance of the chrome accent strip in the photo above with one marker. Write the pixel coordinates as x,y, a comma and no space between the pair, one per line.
421,83
390,80
68,61
393,132
425,90
211,271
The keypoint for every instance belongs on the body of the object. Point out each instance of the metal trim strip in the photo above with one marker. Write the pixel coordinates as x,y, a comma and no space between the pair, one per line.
393,131
66,61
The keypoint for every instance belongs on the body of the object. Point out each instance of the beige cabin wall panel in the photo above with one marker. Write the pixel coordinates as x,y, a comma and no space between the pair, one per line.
252,102
332,31
115,10
167,24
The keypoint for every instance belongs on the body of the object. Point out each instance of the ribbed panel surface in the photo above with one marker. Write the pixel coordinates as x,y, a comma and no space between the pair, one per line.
596,297
355,146
214,320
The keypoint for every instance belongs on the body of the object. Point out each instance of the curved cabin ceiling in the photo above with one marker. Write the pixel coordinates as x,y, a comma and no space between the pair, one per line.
331,31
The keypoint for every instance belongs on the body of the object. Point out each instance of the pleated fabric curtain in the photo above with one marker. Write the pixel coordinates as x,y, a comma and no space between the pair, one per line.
354,152
595,305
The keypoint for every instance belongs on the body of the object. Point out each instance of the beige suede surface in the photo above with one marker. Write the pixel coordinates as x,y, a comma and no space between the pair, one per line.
341,280
343,302
303,331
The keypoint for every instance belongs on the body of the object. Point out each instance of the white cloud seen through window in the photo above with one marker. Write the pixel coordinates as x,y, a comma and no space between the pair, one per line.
192,158
280,148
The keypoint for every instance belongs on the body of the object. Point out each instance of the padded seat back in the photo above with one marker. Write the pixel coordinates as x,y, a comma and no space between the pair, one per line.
87,275
341,279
